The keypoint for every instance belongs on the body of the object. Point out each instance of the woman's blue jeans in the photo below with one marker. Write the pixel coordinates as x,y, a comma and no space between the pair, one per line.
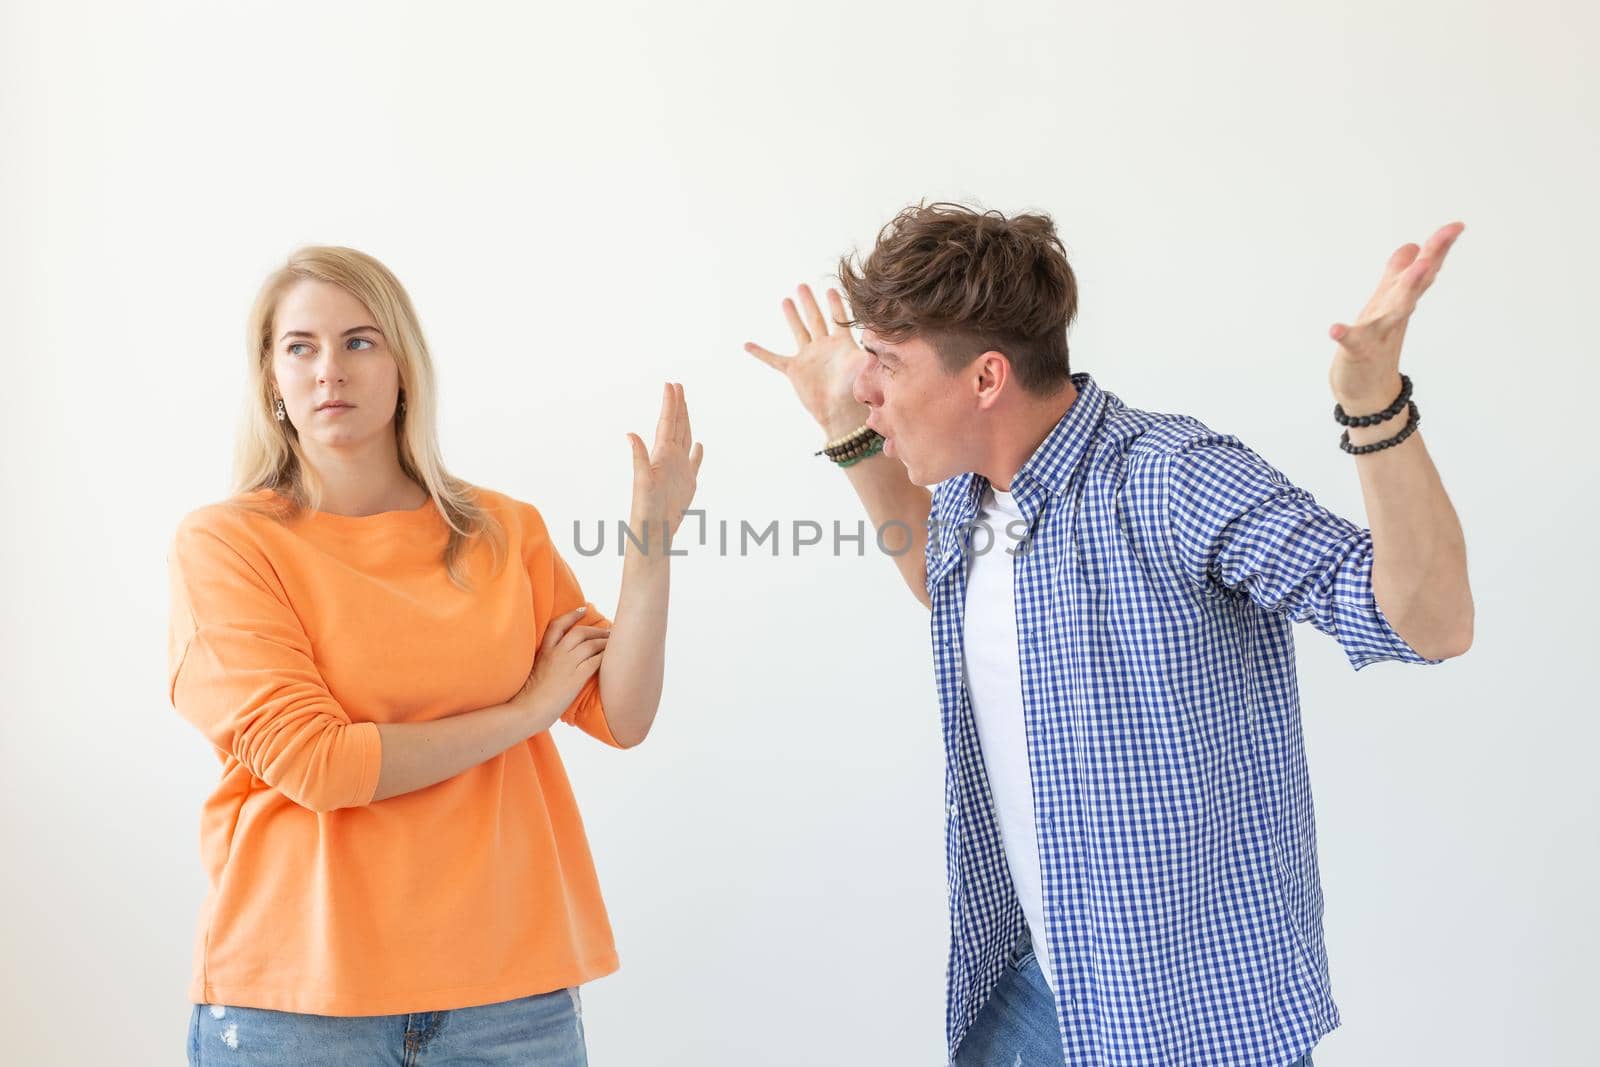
546,1029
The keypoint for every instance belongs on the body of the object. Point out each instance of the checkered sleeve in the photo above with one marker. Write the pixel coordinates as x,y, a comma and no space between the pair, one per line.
1239,525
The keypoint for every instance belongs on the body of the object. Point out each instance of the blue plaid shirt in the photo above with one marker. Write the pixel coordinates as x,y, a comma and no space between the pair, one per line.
1155,590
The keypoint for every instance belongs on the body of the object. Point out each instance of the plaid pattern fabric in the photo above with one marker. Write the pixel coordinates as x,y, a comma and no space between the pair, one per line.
1156,588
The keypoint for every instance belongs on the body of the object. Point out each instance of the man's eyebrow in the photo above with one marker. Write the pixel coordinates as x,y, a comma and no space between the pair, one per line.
347,333
880,353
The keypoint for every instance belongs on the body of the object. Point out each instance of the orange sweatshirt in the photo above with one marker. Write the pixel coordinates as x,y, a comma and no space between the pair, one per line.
288,644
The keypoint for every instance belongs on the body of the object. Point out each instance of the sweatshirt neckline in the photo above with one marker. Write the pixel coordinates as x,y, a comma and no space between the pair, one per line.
418,515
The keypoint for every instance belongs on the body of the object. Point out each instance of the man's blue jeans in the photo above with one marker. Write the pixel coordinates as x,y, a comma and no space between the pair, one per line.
546,1029
1017,1027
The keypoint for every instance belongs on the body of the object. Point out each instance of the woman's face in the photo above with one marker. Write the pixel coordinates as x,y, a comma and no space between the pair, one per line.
334,370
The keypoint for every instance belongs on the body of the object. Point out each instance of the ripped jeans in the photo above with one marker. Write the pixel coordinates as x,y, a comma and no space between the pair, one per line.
546,1029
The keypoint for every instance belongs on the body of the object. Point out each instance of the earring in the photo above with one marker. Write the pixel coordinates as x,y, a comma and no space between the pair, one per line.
402,403
279,412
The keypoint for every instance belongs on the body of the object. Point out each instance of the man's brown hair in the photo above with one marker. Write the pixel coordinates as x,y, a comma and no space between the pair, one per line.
969,282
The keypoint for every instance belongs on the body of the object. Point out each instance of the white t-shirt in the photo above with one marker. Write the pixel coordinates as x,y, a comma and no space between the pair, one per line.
994,684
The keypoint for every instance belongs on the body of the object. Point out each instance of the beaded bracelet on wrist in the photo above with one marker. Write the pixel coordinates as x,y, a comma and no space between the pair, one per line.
872,448
860,433
860,448
1378,446
1385,415
851,443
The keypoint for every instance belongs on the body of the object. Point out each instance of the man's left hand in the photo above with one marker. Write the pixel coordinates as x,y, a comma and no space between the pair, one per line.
1365,376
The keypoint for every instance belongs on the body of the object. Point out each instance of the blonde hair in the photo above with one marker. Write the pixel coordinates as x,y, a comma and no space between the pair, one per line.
268,454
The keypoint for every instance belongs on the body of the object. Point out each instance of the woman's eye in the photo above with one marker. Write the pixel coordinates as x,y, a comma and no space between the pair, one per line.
361,341
291,348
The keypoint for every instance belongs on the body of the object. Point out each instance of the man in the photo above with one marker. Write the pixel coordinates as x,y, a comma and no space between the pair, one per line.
1126,783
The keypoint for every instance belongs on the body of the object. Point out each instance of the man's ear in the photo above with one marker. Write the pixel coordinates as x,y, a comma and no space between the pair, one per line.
992,377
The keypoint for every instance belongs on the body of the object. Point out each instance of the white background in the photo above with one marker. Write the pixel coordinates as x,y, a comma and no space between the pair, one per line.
585,200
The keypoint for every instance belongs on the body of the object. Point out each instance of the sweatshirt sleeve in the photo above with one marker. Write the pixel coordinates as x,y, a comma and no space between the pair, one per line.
240,668
556,592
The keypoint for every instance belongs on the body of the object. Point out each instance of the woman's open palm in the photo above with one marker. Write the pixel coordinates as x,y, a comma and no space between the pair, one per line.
664,477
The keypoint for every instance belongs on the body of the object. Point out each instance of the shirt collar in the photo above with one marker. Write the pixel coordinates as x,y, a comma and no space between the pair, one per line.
1047,472
1056,459
1050,468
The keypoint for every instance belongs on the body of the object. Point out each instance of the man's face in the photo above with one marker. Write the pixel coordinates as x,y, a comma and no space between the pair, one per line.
924,412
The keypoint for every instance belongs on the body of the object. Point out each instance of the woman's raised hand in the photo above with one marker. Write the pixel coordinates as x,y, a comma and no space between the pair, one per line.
664,477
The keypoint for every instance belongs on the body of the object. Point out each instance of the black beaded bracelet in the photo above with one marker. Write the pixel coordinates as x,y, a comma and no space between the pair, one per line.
1385,415
1378,446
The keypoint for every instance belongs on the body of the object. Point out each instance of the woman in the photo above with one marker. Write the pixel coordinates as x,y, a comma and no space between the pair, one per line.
375,649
